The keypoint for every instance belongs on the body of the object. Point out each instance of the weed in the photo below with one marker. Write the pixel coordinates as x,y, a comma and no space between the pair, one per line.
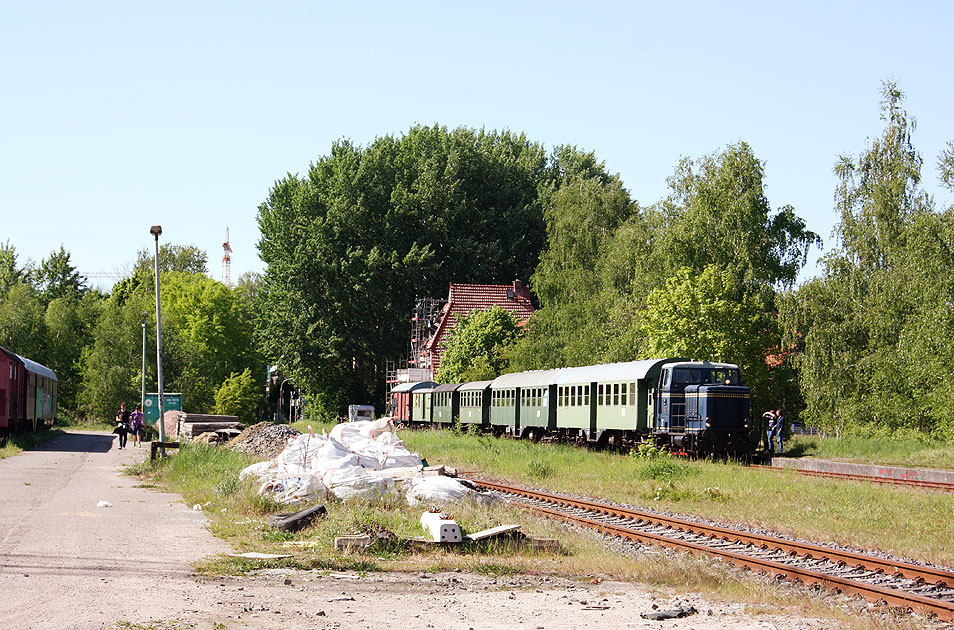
715,494
661,468
648,450
228,485
493,569
539,469
670,492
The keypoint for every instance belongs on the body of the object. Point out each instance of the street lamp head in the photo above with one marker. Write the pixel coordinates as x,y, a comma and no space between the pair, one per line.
144,318
156,230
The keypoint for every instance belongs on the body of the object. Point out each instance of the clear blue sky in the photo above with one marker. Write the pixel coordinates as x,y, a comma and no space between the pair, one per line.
118,115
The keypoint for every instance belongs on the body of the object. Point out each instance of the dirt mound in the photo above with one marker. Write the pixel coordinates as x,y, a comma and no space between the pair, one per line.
264,439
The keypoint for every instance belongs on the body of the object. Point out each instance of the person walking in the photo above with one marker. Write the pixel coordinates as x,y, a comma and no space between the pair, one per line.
122,425
135,426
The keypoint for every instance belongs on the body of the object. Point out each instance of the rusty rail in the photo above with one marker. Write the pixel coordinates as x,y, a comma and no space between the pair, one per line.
919,575
892,481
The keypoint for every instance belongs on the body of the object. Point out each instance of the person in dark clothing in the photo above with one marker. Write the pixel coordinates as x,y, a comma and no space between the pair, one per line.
122,425
779,426
769,417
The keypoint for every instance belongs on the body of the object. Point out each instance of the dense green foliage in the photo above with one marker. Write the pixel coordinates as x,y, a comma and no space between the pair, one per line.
206,336
476,349
617,280
239,396
93,342
349,246
875,327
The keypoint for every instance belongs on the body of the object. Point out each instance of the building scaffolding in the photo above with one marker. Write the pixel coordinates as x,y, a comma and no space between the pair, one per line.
425,318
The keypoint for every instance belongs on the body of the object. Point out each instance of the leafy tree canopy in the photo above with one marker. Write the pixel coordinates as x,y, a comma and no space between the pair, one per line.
239,395
476,350
350,245
172,257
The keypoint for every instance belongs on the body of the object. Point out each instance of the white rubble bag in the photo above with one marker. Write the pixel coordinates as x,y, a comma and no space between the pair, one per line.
441,490
355,481
332,454
295,488
260,470
296,458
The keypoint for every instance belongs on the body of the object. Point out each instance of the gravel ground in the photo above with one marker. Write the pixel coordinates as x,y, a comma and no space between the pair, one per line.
264,439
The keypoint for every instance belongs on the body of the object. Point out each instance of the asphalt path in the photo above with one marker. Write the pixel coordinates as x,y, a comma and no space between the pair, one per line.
67,563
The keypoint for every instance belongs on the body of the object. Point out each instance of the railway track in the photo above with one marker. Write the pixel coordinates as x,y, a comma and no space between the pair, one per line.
911,483
897,584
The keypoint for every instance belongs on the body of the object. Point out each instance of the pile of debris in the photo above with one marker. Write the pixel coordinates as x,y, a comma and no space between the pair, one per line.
264,439
357,459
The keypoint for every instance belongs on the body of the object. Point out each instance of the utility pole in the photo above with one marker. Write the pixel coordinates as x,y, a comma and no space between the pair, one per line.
142,399
156,230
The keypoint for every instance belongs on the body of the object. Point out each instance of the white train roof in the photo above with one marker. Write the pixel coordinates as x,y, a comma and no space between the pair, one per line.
626,371
534,378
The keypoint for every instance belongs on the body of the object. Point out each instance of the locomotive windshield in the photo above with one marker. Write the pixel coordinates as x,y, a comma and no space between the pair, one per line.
705,376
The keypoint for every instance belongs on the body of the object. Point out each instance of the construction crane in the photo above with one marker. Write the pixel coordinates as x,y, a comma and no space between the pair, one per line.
227,261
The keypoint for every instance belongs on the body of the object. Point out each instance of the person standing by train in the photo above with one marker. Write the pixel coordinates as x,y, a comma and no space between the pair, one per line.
779,426
770,431
135,425
122,425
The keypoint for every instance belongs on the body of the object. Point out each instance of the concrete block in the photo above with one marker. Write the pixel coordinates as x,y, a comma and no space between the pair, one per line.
441,528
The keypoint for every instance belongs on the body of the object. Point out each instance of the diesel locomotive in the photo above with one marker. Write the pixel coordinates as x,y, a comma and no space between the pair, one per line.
694,407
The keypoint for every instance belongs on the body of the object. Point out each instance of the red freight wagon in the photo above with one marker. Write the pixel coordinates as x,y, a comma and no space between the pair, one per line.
401,399
27,393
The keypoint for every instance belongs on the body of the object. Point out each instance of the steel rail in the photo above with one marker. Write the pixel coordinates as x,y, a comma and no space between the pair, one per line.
914,483
893,597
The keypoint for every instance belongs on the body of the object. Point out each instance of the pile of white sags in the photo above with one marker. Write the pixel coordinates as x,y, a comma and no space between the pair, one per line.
357,459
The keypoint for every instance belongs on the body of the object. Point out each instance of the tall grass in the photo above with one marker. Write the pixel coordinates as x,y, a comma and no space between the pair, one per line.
874,451
912,523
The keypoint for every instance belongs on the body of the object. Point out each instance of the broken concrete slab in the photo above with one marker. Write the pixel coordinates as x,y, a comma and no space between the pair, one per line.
344,543
254,555
492,532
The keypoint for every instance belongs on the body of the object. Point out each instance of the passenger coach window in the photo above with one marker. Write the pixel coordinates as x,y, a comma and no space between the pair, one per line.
632,394
615,394
599,395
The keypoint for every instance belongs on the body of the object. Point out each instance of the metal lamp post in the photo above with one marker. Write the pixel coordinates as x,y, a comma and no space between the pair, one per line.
142,399
156,230
280,400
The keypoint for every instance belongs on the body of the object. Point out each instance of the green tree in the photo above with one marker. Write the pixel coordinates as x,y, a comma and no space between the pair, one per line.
56,277
710,316
350,245
22,325
718,214
172,257
10,273
476,350
70,322
239,395
873,328
206,336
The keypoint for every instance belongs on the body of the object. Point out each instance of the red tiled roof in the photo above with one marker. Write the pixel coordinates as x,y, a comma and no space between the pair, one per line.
463,299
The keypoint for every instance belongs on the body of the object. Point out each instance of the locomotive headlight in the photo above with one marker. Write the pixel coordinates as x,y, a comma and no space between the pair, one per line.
708,423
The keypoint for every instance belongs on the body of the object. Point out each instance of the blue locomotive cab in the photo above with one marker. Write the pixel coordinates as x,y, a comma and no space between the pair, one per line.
703,408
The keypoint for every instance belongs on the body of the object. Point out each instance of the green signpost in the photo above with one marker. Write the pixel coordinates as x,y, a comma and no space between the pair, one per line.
171,402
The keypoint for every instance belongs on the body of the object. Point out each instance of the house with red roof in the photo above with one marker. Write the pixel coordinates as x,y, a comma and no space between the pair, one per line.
462,299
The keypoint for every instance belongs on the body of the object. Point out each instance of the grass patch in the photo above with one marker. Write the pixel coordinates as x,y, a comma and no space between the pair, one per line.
18,442
912,453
